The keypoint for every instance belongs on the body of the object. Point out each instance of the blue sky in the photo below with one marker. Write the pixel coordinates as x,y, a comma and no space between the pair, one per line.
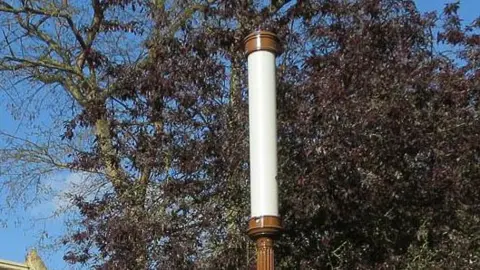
20,234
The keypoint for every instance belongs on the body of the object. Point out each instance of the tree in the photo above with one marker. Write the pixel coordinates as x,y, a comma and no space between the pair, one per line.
60,55
71,51
377,140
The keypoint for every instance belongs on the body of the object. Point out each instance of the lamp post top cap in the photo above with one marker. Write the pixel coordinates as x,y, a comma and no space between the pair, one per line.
262,41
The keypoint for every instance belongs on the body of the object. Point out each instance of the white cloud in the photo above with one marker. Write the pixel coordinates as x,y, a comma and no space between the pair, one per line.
87,185
64,187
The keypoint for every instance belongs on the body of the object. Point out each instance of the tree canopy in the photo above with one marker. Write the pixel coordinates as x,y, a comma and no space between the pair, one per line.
379,154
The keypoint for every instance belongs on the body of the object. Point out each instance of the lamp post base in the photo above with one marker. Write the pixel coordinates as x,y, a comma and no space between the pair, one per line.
264,230
265,256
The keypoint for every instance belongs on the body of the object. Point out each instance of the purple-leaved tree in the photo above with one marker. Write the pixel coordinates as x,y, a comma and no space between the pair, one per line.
378,132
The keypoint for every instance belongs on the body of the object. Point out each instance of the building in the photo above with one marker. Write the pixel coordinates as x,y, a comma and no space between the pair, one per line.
32,262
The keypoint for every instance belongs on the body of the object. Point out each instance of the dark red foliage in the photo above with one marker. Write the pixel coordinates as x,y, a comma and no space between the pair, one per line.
378,142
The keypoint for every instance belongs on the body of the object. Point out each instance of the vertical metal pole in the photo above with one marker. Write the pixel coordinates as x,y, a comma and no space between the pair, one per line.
265,223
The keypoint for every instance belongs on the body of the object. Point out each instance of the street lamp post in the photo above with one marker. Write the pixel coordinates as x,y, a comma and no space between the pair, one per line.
265,223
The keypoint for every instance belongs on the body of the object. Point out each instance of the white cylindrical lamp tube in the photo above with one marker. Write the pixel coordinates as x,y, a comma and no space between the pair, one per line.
262,48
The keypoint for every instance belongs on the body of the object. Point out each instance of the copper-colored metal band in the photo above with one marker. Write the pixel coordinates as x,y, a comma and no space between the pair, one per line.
262,41
264,226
